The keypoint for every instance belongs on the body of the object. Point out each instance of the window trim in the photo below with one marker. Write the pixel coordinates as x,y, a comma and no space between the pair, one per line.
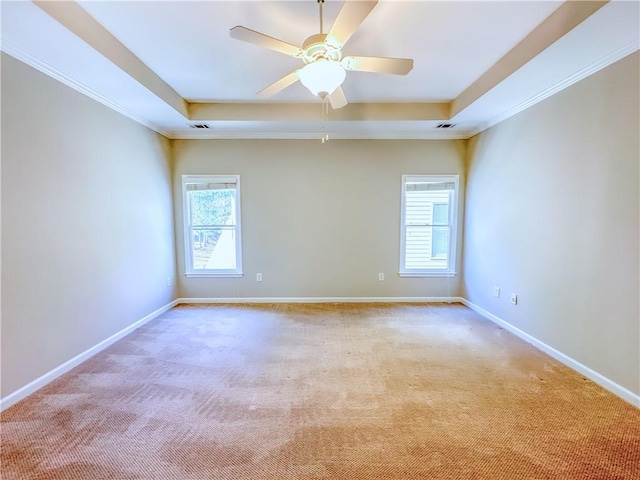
186,226
450,271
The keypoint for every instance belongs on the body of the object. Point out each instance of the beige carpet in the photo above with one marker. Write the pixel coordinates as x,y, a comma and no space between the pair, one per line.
330,391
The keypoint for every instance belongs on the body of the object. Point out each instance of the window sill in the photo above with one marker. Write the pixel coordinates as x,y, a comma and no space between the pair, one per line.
426,274
214,275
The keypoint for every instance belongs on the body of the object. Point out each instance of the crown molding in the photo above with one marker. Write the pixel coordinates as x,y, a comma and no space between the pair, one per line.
563,20
612,57
19,54
77,20
311,112
16,52
257,135
609,59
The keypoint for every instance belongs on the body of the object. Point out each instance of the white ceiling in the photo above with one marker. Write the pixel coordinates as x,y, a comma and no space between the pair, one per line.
475,62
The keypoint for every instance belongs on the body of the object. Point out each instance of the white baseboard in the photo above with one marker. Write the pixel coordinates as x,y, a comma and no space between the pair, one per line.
613,387
322,300
601,380
40,382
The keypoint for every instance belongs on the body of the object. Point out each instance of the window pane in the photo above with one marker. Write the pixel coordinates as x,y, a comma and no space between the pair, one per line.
417,208
440,214
214,248
427,207
440,242
418,249
213,207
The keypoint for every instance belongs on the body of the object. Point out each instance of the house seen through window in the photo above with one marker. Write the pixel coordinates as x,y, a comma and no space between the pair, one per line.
428,225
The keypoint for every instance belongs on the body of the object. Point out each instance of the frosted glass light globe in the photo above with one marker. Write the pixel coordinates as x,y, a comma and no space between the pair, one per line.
322,76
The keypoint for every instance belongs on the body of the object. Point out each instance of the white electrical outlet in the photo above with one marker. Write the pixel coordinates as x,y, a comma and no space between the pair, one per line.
514,298
258,277
496,292
168,281
381,277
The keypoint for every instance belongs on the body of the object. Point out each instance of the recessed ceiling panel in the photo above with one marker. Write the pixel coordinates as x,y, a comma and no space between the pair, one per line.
188,45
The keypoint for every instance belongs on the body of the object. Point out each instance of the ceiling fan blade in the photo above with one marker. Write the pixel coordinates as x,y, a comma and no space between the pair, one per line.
396,66
279,85
348,20
262,40
337,98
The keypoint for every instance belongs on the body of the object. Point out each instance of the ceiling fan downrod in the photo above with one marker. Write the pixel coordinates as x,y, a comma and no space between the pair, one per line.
320,3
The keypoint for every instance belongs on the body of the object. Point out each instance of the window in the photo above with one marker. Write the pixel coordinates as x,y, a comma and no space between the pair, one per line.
212,225
428,230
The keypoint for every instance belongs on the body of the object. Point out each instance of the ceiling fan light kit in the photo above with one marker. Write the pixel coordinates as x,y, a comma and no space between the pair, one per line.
325,68
322,77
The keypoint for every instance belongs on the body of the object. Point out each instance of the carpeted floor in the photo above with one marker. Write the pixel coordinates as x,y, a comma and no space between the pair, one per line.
331,391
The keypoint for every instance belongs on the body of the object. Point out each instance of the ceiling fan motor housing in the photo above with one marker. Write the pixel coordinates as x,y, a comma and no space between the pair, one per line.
316,47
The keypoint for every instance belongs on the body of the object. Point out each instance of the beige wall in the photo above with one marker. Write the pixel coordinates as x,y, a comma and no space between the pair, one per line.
553,214
87,232
317,220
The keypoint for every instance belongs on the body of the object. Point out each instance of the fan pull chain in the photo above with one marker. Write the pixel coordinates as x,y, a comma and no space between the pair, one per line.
325,118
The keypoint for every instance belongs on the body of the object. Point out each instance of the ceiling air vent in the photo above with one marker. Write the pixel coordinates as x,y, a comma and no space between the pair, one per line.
445,125
198,125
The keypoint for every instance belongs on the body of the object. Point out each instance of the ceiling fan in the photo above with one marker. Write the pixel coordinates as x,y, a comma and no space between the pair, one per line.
325,67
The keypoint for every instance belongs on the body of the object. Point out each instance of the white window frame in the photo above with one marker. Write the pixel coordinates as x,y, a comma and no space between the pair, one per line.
450,271
188,236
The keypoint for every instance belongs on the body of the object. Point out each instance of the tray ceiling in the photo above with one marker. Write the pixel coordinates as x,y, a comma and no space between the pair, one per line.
171,64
